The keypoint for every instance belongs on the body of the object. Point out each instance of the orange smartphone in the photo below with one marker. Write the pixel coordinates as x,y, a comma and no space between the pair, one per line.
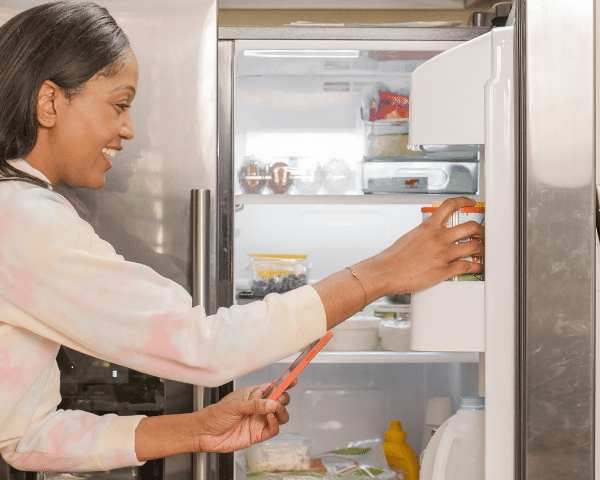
284,380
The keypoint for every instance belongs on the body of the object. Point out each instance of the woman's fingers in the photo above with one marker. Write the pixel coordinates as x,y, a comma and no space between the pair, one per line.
443,213
466,230
272,427
471,248
464,267
282,415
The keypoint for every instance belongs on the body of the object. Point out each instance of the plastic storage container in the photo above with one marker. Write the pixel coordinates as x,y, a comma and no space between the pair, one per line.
355,334
439,409
271,273
285,452
395,334
456,450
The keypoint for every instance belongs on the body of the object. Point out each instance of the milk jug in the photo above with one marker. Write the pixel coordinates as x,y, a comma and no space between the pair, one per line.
456,450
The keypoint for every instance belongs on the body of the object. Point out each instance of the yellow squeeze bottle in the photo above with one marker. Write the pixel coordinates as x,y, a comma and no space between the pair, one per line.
399,454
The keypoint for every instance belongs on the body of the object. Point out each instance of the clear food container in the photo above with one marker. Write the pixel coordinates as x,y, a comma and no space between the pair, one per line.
285,452
387,139
276,273
395,334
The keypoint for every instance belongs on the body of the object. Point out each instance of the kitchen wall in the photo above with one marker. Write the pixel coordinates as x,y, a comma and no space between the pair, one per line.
286,16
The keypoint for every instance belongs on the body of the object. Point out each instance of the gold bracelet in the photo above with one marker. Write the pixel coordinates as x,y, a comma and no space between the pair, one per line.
355,275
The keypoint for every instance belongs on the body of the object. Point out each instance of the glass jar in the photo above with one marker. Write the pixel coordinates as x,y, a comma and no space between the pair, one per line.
252,175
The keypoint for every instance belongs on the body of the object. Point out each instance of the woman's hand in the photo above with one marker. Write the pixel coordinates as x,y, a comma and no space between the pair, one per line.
425,256
239,420
429,254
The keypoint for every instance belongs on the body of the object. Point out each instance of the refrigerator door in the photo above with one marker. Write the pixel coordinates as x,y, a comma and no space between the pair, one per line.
557,210
144,208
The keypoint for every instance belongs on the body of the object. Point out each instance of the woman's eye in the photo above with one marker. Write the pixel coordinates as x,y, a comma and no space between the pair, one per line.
123,106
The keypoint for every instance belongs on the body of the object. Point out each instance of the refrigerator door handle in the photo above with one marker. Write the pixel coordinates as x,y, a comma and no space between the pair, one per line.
200,241
598,209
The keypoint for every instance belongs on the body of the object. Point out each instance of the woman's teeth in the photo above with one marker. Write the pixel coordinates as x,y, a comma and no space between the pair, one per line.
109,152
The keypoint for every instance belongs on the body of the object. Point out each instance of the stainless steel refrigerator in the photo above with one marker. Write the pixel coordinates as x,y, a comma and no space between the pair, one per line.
173,201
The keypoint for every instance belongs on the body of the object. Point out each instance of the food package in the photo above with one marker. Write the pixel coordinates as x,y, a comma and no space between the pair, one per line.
360,460
385,104
385,115
274,273
285,452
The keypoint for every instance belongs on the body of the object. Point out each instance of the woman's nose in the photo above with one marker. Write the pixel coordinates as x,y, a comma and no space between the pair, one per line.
127,128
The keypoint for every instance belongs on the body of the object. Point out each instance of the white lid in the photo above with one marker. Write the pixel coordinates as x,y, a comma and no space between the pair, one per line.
395,324
291,438
359,322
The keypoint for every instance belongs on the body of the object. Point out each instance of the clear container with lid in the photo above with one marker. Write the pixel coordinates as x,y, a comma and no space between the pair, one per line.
285,452
277,273
395,334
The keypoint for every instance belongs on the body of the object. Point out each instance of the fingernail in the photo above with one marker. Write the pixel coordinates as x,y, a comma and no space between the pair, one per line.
271,405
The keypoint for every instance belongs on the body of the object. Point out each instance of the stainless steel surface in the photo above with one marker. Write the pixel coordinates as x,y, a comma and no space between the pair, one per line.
558,218
494,17
348,33
518,13
200,240
225,175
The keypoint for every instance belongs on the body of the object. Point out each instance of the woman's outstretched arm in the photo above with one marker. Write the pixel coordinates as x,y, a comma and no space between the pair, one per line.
420,259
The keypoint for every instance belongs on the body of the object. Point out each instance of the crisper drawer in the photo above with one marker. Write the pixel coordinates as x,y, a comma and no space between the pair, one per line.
420,177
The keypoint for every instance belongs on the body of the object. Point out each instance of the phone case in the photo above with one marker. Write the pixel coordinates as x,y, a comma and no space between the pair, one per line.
290,373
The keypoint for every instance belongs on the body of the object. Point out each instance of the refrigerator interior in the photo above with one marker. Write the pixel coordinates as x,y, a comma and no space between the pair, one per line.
308,109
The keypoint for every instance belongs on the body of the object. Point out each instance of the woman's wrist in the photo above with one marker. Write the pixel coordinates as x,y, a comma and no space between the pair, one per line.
371,273
164,435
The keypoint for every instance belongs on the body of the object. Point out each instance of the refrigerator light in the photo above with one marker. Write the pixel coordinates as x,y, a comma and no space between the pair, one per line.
303,53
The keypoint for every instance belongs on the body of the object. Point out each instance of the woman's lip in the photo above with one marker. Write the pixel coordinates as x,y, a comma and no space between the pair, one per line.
107,160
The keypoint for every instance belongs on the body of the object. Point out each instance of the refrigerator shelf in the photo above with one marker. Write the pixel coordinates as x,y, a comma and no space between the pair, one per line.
356,199
391,357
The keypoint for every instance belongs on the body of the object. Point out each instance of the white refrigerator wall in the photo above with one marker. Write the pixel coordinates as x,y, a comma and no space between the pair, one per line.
333,236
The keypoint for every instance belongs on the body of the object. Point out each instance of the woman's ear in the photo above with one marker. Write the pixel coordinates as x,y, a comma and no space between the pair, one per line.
46,113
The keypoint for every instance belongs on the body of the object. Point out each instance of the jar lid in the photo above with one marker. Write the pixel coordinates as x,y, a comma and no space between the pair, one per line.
358,322
472,403
478,208
289,438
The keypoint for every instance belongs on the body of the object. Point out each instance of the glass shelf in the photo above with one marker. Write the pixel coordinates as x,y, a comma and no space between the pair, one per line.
391,357
378,199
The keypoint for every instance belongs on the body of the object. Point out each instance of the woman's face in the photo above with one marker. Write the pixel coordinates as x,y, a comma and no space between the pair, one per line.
88,129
